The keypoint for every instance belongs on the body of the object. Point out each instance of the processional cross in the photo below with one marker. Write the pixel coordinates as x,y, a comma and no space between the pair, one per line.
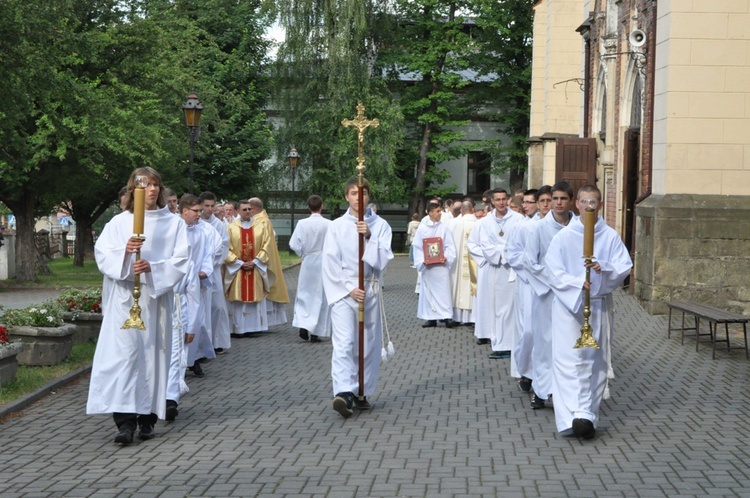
361,124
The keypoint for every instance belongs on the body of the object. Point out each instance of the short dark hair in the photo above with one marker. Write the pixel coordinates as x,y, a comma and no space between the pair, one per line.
188,201
590,188
432,205
531,191
354,182
169,192
314,203
563,187
499,191
546,189
207,196
487,193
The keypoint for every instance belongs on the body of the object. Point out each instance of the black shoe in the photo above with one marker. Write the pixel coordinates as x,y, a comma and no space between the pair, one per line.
429,323
525,384
449,324
171,410
499,355
537,403
125,436
197,370
314,338
219,351
146,432
362,404
303,334
343,403
583,428
483,341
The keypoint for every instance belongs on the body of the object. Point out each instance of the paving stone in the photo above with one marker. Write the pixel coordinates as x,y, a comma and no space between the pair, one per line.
447,421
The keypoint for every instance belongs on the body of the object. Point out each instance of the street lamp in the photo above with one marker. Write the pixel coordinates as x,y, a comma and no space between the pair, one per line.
193,109
293,160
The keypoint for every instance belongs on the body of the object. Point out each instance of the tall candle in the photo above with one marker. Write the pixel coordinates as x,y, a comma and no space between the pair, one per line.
139,206
589,221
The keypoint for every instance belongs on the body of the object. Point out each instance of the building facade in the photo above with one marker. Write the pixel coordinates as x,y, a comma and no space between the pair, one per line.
661,126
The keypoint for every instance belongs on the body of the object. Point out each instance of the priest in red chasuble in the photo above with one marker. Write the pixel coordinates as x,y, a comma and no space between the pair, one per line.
256,288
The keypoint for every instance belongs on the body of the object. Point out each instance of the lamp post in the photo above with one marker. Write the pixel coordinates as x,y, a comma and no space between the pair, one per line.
193,109
293,160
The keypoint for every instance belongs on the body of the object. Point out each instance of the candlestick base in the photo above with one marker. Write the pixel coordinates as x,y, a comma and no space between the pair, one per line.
587,338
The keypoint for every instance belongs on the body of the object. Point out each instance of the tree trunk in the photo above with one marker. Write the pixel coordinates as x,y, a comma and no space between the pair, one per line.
26,253
84,244
416,203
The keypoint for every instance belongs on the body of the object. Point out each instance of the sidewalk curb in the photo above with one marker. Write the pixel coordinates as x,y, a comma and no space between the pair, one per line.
45,390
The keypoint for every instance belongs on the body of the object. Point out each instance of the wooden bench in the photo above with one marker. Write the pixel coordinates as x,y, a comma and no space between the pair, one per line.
714,316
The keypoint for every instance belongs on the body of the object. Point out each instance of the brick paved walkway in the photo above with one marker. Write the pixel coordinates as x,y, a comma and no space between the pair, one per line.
447,422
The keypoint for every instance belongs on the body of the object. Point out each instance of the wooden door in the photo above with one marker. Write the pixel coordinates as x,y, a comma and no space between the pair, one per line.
575,162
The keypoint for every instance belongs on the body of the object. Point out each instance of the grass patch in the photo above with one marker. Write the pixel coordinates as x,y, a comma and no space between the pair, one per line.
64,274
29,378
288,259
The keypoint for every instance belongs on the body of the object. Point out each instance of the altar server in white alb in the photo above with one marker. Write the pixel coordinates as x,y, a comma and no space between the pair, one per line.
310,305
188,319
514,254
561,199
494,311
580,375
341,285
435,297
131,366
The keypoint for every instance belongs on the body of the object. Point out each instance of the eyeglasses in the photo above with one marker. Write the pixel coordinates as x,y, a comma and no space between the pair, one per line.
199,211
529,202
246,209
589,202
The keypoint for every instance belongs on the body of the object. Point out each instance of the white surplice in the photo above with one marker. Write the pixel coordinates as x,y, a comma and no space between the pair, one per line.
580,375
130,369
220,327
463,274
203,240
310,304
541,302
515,255
340,277
494,311
435,296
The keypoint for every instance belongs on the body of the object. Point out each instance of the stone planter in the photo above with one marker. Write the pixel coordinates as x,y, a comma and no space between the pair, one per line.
87,326
9,362
44,345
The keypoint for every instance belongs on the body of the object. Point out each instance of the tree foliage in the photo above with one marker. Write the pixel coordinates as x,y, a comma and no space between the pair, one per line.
96,89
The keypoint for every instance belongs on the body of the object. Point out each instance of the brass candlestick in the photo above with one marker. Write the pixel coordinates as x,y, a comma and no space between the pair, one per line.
589,222
139,207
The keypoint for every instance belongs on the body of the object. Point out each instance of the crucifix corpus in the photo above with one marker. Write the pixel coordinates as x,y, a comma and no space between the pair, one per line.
361,124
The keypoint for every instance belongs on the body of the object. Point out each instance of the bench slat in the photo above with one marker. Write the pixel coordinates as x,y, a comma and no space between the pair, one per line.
708,312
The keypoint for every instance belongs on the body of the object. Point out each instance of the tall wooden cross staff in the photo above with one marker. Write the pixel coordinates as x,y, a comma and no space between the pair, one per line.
361,124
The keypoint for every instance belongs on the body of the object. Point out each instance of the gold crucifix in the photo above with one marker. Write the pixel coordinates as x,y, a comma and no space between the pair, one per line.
361,123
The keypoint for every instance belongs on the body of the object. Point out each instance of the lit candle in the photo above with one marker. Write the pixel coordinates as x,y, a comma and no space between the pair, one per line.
589,221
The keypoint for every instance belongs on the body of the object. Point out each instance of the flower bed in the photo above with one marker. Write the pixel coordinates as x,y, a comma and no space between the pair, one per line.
8,357
47,339
83,307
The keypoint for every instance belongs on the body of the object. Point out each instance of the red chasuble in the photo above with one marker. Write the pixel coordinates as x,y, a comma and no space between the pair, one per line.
248,254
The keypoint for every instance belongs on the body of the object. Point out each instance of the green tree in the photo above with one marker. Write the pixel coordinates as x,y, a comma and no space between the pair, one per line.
324,68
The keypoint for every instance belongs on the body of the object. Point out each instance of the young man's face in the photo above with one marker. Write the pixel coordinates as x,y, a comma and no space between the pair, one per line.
500,201
561,202
529,205
588,199
435,214
352,197
544,203
172,203
191,214
152,194
246,212
208,208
